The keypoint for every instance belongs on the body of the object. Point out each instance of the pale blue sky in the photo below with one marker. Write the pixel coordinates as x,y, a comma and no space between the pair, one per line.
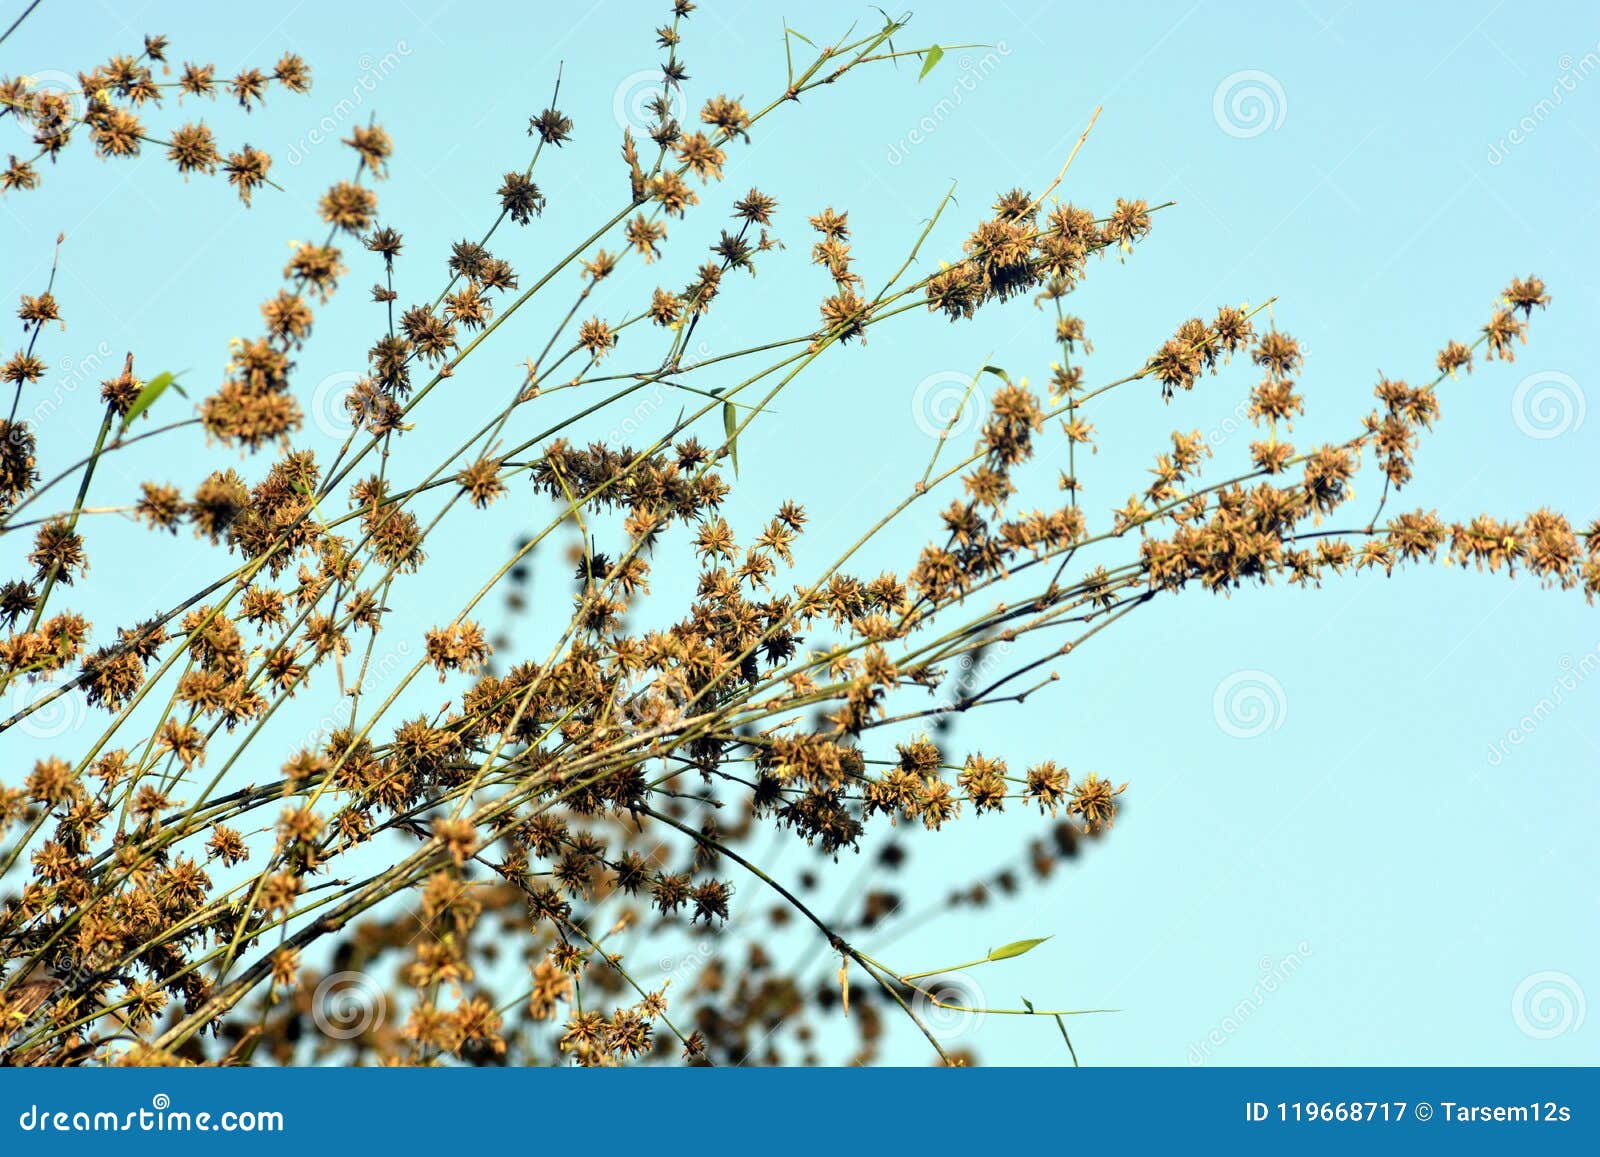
1424,883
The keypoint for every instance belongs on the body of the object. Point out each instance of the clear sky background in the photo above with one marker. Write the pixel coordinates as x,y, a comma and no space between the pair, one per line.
1435,894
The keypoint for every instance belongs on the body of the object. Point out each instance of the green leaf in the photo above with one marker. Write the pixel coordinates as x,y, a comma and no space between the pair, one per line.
999,373
153,389
1060,1024
1016,948
792,32
933,57
890,27
730,427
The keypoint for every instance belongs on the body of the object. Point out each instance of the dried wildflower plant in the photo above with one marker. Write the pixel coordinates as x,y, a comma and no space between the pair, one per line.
107,104
493,880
